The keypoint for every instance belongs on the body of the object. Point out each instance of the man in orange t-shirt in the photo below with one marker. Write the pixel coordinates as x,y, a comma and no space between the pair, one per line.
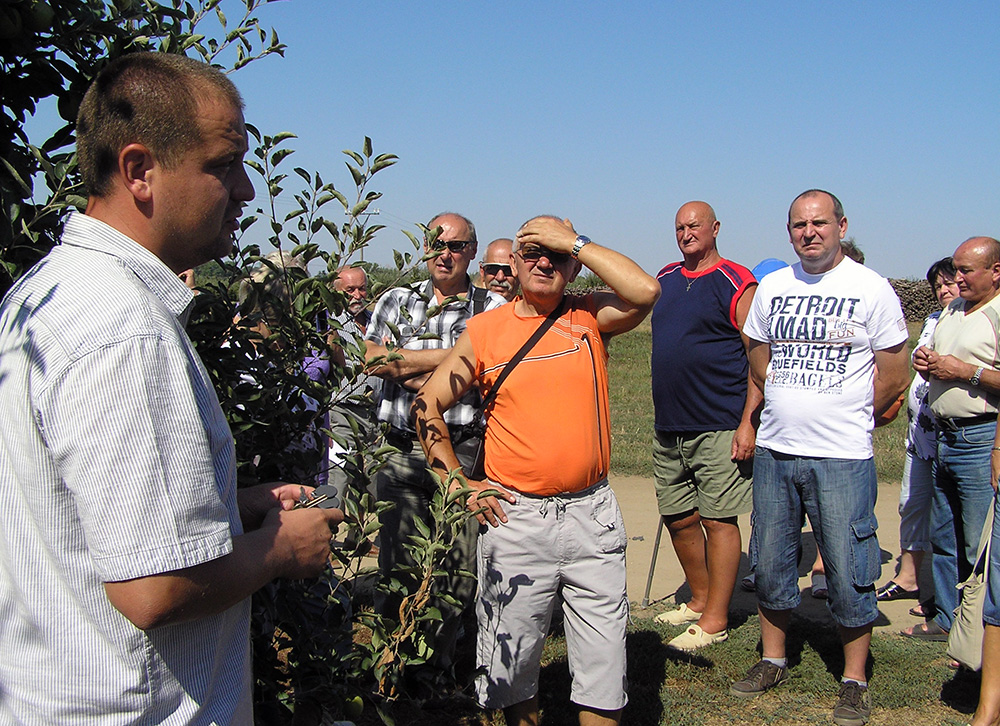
559,531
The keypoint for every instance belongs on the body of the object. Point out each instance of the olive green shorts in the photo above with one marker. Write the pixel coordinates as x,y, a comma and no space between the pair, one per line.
695,471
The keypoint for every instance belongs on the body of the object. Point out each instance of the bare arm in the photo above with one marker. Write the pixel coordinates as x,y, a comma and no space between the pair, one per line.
446,385
406,364
759,354
893,377
293,544
745,436
635,292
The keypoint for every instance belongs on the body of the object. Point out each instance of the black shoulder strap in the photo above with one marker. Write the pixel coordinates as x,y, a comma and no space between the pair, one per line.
528,345
479,298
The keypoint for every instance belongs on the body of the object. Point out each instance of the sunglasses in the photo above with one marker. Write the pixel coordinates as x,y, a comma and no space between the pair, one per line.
454,245
492,268
533,254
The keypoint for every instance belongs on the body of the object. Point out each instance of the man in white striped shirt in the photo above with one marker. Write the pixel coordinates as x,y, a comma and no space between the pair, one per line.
126,554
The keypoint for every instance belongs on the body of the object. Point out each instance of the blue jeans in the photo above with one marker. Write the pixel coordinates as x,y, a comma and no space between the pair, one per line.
839,497
991,603
962,493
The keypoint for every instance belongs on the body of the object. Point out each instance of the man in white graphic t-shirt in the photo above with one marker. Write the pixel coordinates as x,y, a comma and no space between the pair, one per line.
817,331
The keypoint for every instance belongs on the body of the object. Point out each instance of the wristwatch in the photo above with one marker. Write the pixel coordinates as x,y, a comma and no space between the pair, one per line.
581,242
976,376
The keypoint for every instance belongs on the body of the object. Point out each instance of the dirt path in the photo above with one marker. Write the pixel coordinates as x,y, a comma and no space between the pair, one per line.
638,503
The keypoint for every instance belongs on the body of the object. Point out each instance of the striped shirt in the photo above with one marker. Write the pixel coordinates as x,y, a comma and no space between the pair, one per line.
116,463
403,317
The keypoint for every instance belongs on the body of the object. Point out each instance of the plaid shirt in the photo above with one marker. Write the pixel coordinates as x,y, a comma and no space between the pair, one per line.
404,310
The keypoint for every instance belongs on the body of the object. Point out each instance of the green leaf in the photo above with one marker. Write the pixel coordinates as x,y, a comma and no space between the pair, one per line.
17,177
421,526
368,147
332,228
359,176
77,200
340,198
358,209
358,159
280,154
431,613
191,40
383,161
283,136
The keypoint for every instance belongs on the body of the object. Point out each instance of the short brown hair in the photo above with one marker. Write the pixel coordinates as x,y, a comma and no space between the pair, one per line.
838,208
147,98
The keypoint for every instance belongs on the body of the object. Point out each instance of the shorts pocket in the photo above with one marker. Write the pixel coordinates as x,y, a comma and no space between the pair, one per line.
866,559
608,517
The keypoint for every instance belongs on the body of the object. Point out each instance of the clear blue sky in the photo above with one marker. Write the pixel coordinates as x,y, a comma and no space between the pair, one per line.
615,113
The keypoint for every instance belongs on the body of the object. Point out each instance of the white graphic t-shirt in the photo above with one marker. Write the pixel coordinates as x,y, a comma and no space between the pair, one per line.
823,331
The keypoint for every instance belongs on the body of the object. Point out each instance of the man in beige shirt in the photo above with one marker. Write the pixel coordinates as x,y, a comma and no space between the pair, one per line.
964,393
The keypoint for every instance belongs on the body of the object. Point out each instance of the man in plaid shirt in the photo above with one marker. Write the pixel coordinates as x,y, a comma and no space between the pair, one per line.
412,330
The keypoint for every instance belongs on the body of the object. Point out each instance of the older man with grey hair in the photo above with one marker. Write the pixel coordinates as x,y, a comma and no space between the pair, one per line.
964,396
555,529
412,330
495,273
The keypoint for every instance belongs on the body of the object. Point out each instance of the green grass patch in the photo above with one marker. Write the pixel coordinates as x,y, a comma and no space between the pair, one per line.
630,390
669,687
910,681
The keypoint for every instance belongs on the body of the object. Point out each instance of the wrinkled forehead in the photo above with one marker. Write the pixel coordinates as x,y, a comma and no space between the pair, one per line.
817,205
499,254
351,277
694,212
452,228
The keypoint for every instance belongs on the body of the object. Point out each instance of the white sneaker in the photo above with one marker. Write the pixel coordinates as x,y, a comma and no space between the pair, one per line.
694,637
681,615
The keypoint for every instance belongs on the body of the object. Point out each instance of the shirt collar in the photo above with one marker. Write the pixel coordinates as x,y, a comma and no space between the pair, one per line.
93,234
429,292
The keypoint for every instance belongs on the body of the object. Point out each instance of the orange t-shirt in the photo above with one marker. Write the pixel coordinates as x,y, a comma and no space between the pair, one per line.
548,430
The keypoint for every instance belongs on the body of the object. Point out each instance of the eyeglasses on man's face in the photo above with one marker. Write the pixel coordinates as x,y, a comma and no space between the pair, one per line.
454,245
533,254
495,268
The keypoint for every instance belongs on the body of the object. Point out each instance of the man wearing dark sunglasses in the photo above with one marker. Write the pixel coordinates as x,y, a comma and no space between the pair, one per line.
411,331
495,272
562,537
